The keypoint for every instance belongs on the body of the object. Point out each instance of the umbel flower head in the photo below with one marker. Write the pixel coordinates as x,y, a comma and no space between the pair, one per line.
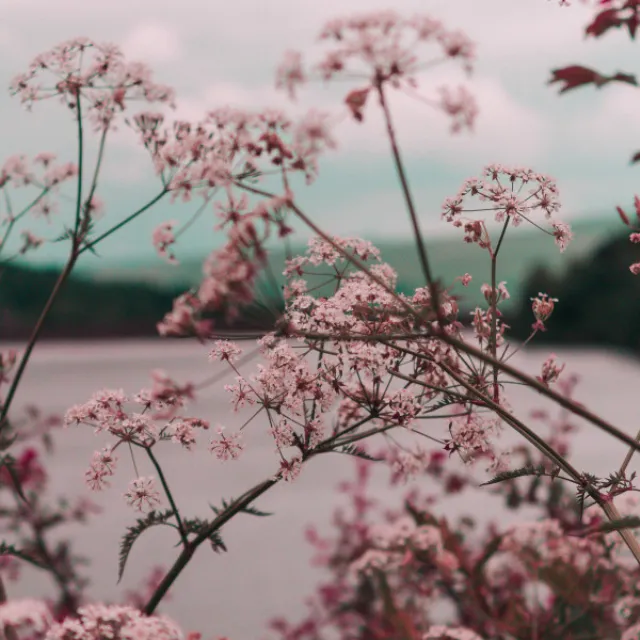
94,622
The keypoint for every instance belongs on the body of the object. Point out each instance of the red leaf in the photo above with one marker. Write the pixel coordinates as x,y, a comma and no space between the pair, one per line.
624,77
604,21
632,24
635,157
624,216
576,76
356,100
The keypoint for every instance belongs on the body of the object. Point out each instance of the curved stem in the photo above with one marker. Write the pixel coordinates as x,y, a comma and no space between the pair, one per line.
627,459
187,552
454,342
607,506
630,540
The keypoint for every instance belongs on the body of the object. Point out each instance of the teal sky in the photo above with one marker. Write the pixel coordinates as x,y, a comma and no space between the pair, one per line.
218,54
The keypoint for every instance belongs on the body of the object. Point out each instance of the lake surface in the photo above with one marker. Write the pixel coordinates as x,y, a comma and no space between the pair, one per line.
266,571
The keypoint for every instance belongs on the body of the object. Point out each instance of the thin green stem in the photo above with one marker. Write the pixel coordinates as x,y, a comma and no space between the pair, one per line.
122,223
404,182
494,309
187,552
33,339
455,342
627,459
167,491
16,218
80,167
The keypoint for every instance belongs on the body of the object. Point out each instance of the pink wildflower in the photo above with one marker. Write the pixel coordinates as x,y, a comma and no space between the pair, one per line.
227,447
142,494
225,350
542,308
163,239
550,370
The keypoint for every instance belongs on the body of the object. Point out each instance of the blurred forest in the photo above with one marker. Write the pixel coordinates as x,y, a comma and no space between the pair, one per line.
599,299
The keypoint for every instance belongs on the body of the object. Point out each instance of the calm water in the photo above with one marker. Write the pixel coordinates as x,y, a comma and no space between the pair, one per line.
266,571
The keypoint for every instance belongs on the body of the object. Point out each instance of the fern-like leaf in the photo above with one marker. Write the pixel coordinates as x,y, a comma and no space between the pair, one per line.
353,450
152,519
529,470
441,404
252,511
197,525
67,234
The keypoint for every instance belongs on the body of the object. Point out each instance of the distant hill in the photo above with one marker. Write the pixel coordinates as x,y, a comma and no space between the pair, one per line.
524,250
598,300
109,300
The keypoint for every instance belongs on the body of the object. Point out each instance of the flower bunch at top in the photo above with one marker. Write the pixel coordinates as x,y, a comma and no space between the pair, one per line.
230,145
381,48
81,69
512,195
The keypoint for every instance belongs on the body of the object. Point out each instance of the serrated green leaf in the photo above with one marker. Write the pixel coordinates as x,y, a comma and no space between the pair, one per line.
252,511
353,450
196,525
152,519
216,542
528,470
256,512
66,235
441,404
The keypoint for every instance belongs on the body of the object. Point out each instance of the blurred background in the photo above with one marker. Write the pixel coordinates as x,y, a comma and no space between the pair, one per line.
127,300
583,140
217,54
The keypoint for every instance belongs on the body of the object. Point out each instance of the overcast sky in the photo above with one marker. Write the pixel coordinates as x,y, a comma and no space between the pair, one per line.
224,53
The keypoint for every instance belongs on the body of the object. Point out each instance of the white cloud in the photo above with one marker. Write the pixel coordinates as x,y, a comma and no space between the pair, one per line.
153,44
506,131
229,58
611,124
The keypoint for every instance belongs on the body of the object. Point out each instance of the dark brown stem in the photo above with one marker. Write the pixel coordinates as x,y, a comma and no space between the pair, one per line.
187,552
608,507
454,342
